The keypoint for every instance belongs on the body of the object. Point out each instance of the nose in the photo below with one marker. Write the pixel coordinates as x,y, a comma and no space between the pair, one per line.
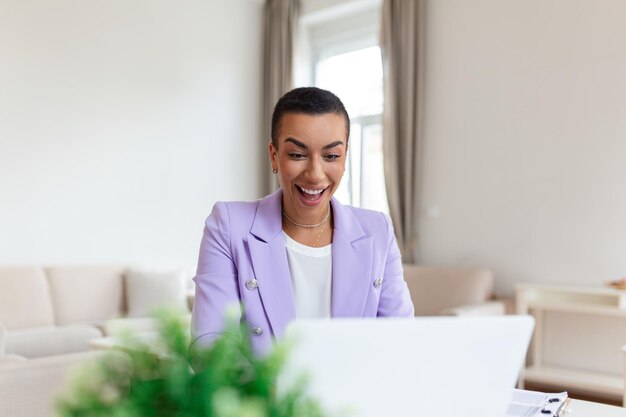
315,171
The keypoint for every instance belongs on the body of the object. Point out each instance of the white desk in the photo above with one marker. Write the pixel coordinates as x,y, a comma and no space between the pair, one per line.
588,409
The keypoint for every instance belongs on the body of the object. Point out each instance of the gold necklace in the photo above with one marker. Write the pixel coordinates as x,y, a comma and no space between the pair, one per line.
317,238
315,244
308,226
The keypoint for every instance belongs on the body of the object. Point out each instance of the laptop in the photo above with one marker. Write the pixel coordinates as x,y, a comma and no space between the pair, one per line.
432,367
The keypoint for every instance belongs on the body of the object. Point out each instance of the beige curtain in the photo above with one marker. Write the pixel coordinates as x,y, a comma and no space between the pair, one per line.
279,35
401,44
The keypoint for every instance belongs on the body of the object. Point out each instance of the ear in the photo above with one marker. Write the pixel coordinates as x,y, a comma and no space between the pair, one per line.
273,152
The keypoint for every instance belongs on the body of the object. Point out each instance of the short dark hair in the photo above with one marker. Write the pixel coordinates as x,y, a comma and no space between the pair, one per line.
307,100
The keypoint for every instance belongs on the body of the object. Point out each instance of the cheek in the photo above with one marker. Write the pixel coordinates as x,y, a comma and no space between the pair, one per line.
336,173
340,167
288,170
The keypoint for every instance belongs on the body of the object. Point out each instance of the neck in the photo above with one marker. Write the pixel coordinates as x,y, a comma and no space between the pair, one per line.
297,221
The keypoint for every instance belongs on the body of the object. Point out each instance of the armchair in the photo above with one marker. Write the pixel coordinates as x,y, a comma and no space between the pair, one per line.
452,291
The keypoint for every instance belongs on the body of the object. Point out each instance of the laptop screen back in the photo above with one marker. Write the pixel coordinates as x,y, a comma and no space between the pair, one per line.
435,367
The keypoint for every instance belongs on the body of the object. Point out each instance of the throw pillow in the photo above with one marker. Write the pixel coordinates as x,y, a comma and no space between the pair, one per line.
148,290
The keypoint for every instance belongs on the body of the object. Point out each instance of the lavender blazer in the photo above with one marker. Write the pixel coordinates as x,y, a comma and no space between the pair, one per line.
242,241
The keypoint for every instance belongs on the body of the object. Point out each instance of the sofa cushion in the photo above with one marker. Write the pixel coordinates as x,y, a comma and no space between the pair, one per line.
148,290
11,358
132,325
137,325
86,294
24,298
48,341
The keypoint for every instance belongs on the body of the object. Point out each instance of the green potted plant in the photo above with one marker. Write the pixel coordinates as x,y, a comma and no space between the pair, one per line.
164,378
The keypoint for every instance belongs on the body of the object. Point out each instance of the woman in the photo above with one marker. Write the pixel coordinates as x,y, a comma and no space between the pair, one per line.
298,253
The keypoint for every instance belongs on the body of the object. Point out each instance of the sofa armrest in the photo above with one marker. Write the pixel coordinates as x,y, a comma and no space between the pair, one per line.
48,341
29,387
489,308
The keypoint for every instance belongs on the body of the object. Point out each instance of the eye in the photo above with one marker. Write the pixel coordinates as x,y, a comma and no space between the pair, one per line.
296,155
332,156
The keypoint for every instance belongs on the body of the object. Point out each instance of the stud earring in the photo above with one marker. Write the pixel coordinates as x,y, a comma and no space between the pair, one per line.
275,171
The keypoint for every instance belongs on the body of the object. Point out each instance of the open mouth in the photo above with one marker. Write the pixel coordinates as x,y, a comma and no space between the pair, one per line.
312,195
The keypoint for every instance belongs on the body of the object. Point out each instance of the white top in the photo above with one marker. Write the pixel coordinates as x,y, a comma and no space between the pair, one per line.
311,277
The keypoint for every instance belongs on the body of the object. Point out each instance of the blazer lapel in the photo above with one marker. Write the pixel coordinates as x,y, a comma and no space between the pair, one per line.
352,264
270,264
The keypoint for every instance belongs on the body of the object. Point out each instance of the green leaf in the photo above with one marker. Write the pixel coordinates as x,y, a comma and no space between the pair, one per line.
164,378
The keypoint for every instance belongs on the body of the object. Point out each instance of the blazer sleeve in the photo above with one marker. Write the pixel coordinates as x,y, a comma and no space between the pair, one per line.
217,293
395,299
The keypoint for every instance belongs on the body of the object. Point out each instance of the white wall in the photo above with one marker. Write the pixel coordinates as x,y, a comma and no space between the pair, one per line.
121,123
525,139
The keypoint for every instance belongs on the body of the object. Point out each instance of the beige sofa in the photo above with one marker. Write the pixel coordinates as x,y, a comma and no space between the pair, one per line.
454,291
57,310
29,387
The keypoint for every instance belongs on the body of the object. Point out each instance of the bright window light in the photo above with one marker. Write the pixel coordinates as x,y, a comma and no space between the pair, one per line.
357,78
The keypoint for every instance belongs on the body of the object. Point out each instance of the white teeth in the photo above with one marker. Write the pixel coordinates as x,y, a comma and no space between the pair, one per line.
312,192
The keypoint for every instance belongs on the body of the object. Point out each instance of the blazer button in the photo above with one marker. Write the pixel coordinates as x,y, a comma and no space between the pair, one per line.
257,331
378,282
252,285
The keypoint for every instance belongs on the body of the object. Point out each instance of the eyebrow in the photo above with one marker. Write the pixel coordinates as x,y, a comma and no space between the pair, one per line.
303,146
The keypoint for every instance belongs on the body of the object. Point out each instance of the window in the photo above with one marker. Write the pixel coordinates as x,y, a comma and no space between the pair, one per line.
337,49
356,77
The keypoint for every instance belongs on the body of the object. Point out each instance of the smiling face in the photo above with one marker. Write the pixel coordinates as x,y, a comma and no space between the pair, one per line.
310,160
